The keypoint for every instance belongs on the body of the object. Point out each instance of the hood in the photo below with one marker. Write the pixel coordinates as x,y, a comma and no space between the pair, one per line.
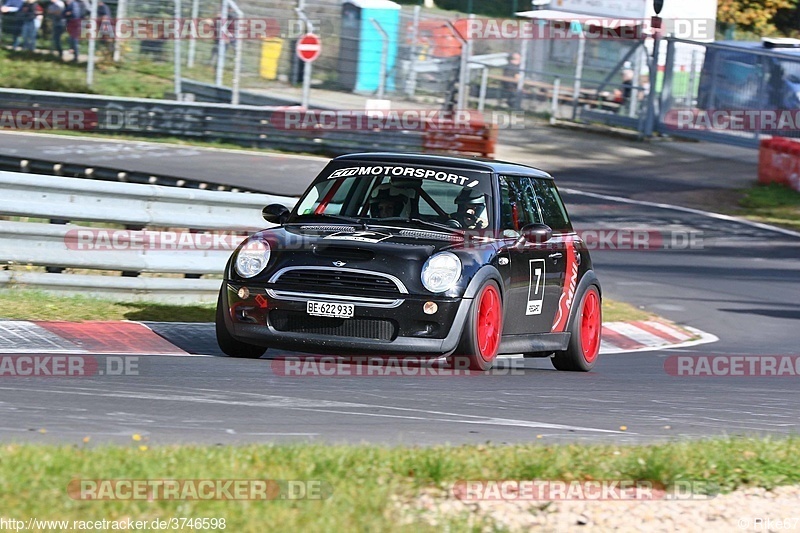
399,252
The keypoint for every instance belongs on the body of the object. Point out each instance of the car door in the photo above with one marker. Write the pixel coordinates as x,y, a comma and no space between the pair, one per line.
535,270
563,259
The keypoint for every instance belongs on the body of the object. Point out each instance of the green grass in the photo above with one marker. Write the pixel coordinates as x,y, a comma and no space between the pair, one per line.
44,72
26,304
615,311
773,204
365,481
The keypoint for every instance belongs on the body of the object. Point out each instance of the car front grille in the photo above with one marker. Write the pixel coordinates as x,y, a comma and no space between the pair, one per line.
336,281
362,328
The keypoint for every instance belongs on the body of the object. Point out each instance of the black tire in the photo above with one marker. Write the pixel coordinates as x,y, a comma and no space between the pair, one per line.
584,344
480,340
228,344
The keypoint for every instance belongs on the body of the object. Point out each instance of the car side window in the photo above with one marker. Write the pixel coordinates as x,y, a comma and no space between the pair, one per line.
552,208
517,204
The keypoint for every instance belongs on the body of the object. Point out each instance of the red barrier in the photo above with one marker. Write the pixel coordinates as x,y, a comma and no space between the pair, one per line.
477,138
779,162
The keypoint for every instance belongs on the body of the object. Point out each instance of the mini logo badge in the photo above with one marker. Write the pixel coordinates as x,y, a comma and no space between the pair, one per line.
339,263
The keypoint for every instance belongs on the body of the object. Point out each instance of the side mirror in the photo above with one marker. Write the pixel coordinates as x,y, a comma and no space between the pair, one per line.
275,213
535,234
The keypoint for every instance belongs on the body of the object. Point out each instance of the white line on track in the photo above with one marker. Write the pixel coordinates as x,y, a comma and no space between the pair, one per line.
327,406
709,214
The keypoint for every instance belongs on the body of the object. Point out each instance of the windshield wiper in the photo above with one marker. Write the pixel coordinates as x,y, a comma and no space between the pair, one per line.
338,218
427,223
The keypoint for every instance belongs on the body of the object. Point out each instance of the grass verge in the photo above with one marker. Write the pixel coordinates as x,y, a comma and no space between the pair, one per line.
44,72
25,304
772,204
365,481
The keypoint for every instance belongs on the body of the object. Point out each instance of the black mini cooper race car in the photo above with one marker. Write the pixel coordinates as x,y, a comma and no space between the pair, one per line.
416,255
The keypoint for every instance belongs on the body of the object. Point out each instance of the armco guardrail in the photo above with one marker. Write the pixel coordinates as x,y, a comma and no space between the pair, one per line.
33,195
244,125
50,167
253,126
187,248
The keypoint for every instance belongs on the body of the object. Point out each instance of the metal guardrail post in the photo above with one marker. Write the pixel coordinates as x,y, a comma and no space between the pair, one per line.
554,102
306,98
463,67
92,44
576,88
122,10
237,60
176,47
649,121
484,83
221,45
411,84
665,99
193,39
384,57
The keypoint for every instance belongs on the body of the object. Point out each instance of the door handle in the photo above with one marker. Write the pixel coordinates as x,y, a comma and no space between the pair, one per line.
555,256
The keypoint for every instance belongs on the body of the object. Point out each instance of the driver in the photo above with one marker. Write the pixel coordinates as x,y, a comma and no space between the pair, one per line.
471,212
387,201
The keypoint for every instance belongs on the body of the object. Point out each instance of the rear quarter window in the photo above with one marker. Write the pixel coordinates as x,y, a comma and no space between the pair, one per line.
554,214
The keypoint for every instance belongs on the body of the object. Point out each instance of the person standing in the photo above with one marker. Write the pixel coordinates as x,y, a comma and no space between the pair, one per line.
11,9
55,13
73,12
511,74
29,13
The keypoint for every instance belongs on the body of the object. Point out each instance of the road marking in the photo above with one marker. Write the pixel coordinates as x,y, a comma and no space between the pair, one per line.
327,406
709,214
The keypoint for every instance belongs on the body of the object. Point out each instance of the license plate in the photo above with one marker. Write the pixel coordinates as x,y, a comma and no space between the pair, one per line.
330,309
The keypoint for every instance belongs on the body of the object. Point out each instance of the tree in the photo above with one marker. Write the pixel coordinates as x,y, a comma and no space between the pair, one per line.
755,16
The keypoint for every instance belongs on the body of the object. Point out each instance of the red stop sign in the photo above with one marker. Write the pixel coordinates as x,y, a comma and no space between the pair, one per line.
309,47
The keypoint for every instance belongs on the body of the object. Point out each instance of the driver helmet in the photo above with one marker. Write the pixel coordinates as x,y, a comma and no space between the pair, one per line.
471,206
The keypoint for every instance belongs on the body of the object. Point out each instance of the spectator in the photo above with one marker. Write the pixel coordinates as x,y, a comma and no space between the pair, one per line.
11,9
54,13
512,71
623,95
29,14
72,14
223,35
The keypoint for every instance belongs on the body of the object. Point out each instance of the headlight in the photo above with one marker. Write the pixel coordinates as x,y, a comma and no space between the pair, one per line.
441,271
252,258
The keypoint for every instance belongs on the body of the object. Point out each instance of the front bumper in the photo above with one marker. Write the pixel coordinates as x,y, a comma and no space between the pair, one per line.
276,319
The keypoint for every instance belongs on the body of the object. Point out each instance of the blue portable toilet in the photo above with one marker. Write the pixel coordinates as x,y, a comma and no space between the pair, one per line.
361,44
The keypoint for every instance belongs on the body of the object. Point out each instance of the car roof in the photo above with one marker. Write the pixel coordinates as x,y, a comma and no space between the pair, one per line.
465,163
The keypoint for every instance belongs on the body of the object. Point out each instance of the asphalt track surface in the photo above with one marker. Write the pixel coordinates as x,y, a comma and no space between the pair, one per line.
741,284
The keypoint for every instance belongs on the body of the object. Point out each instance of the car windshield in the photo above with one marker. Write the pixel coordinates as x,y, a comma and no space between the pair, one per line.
431,196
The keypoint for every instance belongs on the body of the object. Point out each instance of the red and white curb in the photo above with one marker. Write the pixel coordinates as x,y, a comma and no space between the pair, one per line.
134,338
95,337
648,335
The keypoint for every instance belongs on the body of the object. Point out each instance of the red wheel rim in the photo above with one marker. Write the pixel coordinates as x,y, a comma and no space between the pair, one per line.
489,318
590,326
